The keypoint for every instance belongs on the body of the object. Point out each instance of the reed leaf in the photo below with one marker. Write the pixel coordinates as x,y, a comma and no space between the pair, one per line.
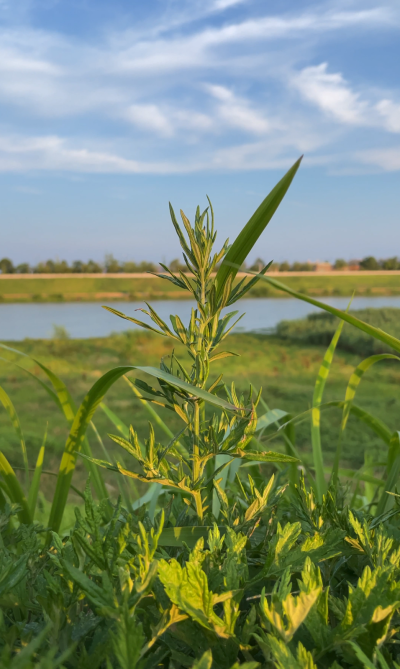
323,373
66,404
246,239
377,333
14,490
13,416
351,390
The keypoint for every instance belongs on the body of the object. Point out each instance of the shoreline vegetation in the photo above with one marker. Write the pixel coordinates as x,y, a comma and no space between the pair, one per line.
141,286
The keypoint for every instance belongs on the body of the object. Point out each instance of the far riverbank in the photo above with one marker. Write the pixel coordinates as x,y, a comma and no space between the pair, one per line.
140,287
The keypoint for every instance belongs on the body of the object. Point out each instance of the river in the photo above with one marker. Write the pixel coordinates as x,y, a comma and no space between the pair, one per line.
88,319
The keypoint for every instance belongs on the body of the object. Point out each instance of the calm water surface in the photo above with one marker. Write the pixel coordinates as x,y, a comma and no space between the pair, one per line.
83,320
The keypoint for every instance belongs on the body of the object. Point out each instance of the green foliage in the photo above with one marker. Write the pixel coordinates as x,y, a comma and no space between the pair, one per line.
301,573
306,585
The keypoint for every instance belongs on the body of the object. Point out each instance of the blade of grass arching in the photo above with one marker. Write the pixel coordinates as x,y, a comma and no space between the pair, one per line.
13,416
351,390
323,373
377,333
246,239
35,484
66,404
392,475
14,490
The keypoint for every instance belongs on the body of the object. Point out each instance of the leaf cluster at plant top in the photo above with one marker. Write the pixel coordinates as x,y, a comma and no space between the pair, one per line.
319,328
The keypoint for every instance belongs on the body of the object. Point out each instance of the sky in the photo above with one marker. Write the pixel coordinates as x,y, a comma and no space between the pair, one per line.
109,109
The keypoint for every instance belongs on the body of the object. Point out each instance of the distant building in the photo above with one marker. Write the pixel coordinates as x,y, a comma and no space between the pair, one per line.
322,267
354,265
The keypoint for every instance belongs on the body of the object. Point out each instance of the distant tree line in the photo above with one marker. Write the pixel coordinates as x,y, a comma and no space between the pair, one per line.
113,266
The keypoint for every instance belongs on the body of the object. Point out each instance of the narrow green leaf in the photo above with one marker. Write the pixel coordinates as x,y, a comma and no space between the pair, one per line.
246,239
351,390
64,401
14,489
119,424
187,387
323,373
35,484
270,418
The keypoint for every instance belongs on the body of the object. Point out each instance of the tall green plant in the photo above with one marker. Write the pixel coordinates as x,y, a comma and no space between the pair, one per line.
186,389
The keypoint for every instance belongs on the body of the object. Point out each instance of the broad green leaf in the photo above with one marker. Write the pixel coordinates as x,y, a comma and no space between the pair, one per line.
269,418
246,239
13,574
377,333
204,662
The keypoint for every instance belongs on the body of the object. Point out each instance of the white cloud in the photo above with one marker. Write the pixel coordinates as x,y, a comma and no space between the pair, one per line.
386,159
390,112
335,97
54,153
238,113
149,117
331,93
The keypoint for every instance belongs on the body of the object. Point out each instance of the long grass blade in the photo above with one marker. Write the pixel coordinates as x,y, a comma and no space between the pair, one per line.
35,484
13,416
66,404
377,333
323,373
119,424
246,239
14,490
351,390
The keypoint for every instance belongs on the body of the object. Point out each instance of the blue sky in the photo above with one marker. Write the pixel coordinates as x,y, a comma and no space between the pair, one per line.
110,109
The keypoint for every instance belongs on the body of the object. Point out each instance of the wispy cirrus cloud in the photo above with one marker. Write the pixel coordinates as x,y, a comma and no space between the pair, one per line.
199,85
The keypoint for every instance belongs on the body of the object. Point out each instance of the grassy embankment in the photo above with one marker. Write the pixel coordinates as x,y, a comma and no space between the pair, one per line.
286,371
88,288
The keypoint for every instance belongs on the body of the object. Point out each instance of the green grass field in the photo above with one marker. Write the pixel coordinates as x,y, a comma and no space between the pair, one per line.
286,371
81,288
